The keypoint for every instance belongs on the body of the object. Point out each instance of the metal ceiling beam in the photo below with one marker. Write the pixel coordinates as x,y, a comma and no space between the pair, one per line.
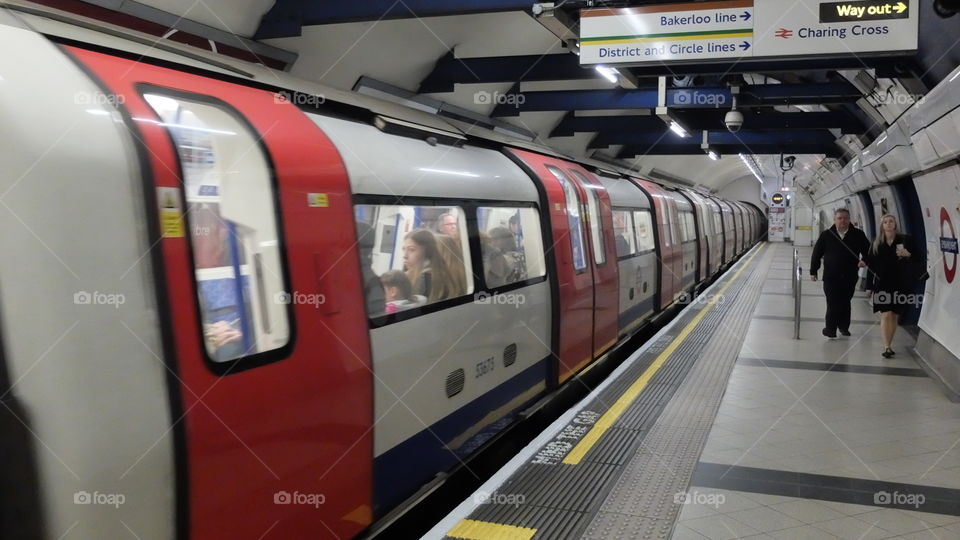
710,120
288,17
629,152
680,98
450,70
663,136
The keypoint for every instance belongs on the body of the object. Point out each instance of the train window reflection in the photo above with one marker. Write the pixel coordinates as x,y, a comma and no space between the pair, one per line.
232,226
623,232
575,221
419,255
511,244
644,226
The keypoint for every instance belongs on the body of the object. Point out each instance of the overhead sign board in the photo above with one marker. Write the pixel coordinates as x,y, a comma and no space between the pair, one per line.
746,30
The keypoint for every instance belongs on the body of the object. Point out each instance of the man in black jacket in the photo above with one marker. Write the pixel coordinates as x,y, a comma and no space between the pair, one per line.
841,248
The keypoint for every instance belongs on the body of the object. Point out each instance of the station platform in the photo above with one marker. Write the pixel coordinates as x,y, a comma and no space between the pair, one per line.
723,426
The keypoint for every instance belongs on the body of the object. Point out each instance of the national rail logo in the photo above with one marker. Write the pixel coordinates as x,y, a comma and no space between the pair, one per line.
784,33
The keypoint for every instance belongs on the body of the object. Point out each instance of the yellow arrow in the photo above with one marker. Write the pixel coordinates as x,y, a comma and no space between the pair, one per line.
900,7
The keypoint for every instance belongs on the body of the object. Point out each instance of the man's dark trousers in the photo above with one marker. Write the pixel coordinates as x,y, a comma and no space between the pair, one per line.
839,293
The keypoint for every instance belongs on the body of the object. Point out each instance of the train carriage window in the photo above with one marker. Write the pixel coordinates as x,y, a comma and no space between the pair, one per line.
511,243
419,255
574,220
717,226
233,225
594,220
624,233
643,222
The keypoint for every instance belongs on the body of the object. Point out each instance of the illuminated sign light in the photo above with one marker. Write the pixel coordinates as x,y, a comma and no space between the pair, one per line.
777,198
834,12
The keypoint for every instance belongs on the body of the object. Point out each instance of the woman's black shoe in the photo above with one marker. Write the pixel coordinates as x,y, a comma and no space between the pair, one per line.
888,353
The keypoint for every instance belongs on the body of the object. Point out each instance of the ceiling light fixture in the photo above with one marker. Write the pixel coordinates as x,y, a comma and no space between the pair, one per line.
749,163
608,73
678,129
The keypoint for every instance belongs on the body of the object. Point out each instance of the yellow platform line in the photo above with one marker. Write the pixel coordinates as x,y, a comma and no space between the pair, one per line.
481,530
613,413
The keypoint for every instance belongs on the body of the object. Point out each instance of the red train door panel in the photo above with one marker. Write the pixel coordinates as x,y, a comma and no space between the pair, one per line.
606,278
266,311
571,252
671,256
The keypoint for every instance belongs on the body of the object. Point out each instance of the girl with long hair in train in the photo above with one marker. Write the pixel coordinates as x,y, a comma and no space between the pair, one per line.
425,267
452,256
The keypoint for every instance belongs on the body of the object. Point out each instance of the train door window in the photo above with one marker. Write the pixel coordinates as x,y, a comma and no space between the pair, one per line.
574,220
717,225
593,220
624,234
689,226
511,243
419,253
233,224
644,227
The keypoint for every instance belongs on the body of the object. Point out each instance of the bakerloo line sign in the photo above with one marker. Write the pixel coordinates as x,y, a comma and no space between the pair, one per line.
732,30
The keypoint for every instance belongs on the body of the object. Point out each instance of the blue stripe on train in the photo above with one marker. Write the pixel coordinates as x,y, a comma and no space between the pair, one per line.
403,469
631,314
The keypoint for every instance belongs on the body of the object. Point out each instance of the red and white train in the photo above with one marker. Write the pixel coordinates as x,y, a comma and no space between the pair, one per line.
195,340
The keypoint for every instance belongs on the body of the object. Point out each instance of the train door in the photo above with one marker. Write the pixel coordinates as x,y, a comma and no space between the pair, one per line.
668,242
729,231
262,305
603,248
704,231
571,251
740,226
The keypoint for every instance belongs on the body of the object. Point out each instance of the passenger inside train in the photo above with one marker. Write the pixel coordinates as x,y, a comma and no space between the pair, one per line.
399,292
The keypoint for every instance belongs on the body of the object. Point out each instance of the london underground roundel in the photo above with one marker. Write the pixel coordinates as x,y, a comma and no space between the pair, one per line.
948,245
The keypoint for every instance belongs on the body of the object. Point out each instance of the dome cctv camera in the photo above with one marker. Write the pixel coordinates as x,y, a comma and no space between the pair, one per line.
734,121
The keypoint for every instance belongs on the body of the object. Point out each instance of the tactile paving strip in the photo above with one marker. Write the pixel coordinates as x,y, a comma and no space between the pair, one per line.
649,495
560,500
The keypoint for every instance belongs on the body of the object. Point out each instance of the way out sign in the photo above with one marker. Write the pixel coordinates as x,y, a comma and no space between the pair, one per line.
732,30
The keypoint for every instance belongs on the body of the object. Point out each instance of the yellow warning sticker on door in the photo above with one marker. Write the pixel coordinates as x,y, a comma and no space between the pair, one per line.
171,212
318,200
